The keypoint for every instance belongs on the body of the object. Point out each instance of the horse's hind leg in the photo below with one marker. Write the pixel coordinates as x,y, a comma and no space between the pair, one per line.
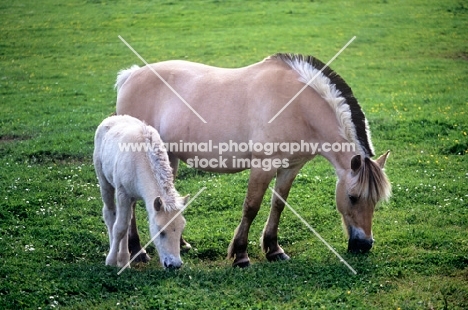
269,239
258,183
134,244
174,161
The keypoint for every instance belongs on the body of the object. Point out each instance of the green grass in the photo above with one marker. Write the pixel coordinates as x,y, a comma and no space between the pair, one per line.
408,68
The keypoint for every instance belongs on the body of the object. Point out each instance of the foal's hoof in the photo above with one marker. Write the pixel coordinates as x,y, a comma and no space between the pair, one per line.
241,263
277,256
141,258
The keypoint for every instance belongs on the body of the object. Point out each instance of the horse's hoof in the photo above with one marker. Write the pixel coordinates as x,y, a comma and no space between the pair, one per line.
277,257
142,258
184,245
242,263
184,248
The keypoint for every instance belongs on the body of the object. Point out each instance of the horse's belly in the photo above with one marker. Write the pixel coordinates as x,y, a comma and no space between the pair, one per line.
227,157
210,157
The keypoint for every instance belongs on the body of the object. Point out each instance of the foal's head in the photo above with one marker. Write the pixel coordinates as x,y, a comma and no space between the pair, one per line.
168,241
357,193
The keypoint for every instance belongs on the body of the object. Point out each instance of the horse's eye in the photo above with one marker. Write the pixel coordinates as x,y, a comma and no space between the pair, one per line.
162,234
353,199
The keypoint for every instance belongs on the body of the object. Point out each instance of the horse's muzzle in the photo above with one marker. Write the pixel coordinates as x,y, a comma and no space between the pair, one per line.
358,242
360,245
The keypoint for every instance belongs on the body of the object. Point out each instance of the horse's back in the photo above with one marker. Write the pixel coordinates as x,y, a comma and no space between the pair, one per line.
238,98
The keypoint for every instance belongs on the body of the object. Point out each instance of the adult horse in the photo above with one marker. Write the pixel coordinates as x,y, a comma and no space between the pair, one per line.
240,106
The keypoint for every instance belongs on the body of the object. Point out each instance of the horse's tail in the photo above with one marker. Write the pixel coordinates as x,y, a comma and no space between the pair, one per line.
123,75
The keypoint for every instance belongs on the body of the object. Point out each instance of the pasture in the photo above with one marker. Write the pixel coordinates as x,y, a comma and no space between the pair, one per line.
408,67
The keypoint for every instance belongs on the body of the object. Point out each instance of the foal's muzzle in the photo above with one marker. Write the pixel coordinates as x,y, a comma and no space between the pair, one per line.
171,266
171,263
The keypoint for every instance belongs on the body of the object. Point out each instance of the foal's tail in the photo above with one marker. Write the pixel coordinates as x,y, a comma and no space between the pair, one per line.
123,75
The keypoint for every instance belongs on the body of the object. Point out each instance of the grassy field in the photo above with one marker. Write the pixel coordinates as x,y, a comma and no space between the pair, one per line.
408,68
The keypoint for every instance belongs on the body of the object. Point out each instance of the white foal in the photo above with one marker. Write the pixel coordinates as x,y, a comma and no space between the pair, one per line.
131,163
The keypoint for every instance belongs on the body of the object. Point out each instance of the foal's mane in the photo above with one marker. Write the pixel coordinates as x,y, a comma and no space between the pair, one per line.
161,169
337,93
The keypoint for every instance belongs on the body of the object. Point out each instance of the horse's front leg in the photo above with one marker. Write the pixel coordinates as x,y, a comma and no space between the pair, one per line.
258,183
134,244
269,239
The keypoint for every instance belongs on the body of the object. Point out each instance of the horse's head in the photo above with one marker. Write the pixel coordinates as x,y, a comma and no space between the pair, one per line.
168,226
357,193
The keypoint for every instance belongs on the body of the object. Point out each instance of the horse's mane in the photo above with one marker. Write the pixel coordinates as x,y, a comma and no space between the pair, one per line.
162,171
372,182
338,94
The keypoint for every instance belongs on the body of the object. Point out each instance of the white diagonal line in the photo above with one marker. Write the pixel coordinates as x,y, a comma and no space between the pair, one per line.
164,81
316,233
311,80
162,229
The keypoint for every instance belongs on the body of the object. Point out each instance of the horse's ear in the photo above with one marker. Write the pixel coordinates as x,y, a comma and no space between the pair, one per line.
186,198
356,162
382,159
157,204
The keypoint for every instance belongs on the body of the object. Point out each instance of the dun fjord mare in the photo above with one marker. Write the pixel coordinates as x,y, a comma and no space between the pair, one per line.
237,105
126,175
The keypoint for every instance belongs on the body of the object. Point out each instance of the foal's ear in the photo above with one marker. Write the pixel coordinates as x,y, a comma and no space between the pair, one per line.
157,204
186,198
382,159
356,162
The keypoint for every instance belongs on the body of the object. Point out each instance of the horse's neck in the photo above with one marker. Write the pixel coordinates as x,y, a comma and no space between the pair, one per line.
326,132
330,139
341,161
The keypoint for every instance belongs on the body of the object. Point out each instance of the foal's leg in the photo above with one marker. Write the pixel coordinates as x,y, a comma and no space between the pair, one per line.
108,210
123,257
119,254
174,161
258,183
269,240
134,240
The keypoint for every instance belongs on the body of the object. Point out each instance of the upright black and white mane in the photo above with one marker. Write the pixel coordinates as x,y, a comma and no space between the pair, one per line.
328,84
